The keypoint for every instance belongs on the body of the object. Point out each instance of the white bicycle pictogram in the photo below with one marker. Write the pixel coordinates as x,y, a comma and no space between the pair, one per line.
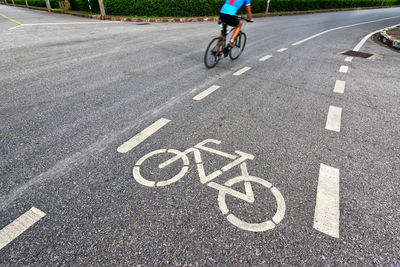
225,189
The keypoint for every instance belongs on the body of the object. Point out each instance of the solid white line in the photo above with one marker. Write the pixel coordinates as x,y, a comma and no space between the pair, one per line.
348,59
206,92
343,69
241,71
265,58
327,211
362,42
339,87
338,28
334,119
69,23
143,135
281,50
19,225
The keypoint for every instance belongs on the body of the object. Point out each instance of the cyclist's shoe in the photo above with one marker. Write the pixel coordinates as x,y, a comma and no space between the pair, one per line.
231,44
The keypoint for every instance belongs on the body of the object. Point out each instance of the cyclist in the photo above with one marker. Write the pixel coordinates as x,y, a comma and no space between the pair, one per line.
228,16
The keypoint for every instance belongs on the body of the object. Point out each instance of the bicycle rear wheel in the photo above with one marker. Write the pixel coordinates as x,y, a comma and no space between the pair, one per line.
212,56
240,43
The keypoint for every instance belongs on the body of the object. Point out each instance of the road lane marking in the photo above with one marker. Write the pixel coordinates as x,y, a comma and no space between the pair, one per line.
338,28
241,71
343,69
334,118
13,20
143,135
339,87
265,58
206,92
348,59
281,50
327,210
361,43
70,23
19,225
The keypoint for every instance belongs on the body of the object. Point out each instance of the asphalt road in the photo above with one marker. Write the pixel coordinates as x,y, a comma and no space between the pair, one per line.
73,92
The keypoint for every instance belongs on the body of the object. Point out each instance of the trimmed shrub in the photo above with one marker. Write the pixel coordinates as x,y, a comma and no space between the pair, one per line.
83,5
38,3
187,8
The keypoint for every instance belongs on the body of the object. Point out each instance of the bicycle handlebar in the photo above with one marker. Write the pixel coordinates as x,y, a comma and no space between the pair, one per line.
244,18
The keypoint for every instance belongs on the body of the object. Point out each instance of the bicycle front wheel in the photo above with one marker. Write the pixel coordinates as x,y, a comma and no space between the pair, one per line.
240,43
212,55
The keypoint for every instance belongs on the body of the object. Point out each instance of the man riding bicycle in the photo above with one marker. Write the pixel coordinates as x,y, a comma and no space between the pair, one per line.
228,16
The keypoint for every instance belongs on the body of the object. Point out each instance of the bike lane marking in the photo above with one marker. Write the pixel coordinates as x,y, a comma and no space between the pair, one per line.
338,28
241,71
348,59
339,87
327,209
344,69
143,135
265,58
333,119
206,92
281,50
19,225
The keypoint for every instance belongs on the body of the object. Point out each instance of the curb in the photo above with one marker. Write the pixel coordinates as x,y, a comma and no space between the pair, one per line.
390,41
98,17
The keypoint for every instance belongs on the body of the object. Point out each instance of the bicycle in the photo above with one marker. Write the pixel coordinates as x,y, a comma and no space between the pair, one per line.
225,189
218,46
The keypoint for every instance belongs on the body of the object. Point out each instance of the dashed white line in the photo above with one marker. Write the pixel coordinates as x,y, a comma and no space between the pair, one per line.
19,225
241,71
206,92
339,87
327,211
344,69
143,135
348,59
265,58
281,50
334,119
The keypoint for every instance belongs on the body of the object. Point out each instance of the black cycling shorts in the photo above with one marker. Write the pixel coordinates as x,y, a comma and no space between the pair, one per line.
231,20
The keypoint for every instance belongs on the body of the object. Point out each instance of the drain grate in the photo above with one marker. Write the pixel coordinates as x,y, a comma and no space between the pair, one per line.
143,23
357,54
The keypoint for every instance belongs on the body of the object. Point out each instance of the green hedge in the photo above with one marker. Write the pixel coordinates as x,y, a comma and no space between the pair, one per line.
188,8
83,5
167,8
38,3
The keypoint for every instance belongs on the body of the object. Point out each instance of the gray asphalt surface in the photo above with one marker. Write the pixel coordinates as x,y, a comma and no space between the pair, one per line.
73,92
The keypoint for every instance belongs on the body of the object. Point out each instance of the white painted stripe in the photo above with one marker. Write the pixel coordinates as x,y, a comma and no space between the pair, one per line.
334,119
143,135
19,225
348,59
338,28
327,211
362,42
206,92
281,50
343,69
339,87
265,58
241,71
68,23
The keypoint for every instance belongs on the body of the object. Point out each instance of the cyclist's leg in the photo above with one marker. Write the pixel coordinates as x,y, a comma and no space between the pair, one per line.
235,34
223,34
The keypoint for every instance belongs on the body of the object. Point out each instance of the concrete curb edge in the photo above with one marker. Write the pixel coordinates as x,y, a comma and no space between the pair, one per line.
390,41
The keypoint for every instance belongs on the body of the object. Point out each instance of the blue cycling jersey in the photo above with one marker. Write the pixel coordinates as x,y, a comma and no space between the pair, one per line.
232,6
